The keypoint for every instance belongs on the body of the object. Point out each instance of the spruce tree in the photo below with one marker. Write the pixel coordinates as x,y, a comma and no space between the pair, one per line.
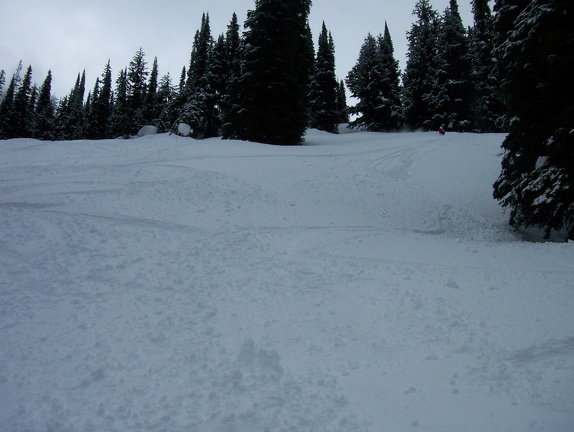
121,121
455,91
487,106
342,108
535,47
2,82
374,81
21,127
137,74
44,114
324,87
420,87
165,95
391,104
231,104
7,113
200,107
277,64
152,105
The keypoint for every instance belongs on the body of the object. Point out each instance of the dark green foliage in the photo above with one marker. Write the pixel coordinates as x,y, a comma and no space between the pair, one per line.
342,108
487,106
152,106
137,74
44,111
455,91
419,79
535,47
374,80
231,104
121,124
7,113
20,122
277,63
324,87
99,115
200,109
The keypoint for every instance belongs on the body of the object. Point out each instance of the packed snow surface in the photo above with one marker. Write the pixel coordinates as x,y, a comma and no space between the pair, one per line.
362,282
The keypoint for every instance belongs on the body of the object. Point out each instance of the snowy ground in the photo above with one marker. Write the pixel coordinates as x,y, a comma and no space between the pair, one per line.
363,282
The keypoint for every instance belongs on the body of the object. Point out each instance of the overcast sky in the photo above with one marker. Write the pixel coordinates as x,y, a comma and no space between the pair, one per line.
68,36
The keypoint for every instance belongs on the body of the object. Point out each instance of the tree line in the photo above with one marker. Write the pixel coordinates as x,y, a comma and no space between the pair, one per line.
249,85
510,71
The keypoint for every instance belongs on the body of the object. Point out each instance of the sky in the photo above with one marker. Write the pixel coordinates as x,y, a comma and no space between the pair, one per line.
69,36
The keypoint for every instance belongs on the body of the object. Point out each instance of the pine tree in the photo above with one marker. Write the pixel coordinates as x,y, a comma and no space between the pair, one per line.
324,87
21,127
44,115
70,114
2,82
121,121
455,91
7,113
277,64
152,104
342,108
136,90
419,79
231,104
487,103
165,96
374,80
391,104
200,110
535,47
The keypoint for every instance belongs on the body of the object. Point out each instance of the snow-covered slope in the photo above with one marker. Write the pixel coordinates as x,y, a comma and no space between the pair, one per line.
363,282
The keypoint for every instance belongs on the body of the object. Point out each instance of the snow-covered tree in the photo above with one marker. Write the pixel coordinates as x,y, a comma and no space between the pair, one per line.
535,47
420,86
487,106
374,81
455,92
324,86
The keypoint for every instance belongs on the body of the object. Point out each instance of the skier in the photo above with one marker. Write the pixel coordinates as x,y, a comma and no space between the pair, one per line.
441,129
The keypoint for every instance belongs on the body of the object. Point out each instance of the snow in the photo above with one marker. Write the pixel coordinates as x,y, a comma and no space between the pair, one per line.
362,282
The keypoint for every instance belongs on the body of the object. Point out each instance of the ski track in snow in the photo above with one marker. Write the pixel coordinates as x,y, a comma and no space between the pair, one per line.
363,282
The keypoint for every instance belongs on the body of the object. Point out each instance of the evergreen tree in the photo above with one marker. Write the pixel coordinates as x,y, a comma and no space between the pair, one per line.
21,127
165,96
391,104
374,80
419,79
342,108
455,91
535,46
152,105
44,114
231,103
2,82
103,105
324,87
136,90
487,103
365,82
121,121
200,108
70,114
277,64
7,113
